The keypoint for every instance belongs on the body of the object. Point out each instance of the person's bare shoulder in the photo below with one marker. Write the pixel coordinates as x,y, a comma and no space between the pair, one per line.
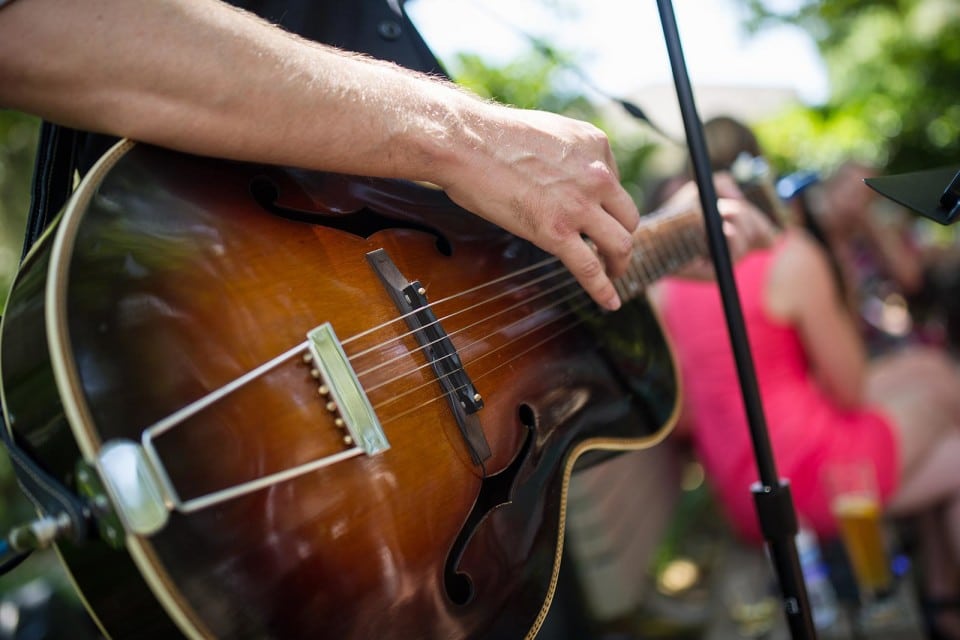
800,276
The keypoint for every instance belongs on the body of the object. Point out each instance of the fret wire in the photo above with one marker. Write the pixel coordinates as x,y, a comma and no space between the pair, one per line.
655,263
670,246
634,272
657,255
687,251
670,240
638,263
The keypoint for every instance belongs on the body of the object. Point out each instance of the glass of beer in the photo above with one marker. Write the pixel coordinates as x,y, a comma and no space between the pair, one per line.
855,503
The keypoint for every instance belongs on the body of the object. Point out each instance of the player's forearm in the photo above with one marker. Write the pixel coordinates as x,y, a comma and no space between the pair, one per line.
202,77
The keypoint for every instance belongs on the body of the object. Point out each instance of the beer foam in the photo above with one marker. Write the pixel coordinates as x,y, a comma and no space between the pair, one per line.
856,504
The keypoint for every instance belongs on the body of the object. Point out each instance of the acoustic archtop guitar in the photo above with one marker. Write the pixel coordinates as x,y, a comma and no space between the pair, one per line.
306,405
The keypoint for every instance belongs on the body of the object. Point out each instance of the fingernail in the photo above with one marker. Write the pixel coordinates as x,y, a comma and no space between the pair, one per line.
613,303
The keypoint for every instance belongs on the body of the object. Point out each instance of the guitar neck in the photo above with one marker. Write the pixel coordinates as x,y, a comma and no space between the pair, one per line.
666,241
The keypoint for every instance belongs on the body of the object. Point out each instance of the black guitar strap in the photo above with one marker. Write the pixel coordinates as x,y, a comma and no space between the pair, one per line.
53,172
52,185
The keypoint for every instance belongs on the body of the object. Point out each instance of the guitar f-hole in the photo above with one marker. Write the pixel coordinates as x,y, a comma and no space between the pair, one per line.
495,491
351,215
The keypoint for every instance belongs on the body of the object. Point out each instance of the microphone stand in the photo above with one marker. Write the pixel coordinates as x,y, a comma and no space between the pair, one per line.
774,504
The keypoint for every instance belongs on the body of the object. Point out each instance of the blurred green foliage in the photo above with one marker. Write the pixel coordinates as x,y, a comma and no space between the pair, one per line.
18,141
18,137
895,97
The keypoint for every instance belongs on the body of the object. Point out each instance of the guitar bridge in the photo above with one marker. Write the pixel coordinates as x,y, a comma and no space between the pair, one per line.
465,401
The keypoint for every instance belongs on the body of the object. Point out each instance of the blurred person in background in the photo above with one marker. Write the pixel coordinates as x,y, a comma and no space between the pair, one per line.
880,264
824,401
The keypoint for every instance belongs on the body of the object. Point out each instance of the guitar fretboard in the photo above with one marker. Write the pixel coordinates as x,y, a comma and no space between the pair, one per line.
667,240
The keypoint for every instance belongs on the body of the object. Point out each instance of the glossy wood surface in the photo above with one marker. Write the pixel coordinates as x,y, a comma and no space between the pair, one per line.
184,274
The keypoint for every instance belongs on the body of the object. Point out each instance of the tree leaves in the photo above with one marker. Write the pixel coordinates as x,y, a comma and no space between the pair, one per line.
894,67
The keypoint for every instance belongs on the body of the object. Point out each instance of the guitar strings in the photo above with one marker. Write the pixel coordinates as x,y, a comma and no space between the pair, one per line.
633,270
541,294
212,397
403,317
482,340
572,310
654,220
678,252
532,347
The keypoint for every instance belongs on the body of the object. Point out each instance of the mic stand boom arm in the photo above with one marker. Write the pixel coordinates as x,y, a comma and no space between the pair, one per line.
772,498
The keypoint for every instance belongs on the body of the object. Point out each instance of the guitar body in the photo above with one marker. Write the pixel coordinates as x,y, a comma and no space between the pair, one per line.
169,276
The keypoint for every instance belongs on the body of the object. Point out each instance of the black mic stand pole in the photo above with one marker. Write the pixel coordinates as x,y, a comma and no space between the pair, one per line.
774,504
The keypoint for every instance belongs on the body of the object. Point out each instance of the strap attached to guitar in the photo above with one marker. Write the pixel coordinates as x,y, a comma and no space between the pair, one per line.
64,512
53,171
